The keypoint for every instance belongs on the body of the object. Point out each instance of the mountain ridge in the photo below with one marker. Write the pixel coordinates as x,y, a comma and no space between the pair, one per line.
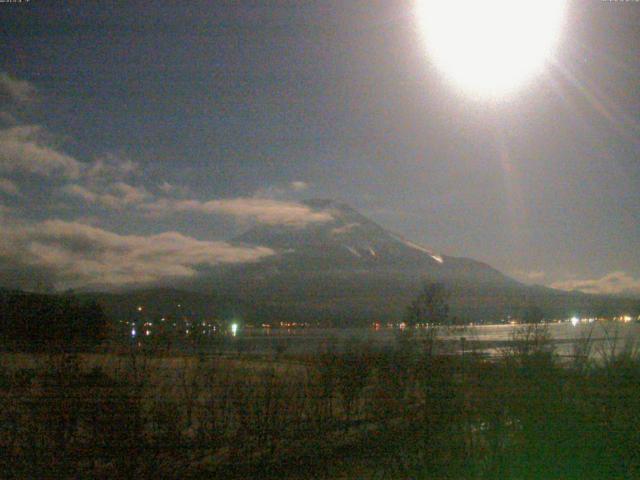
348,271
350,240
351,270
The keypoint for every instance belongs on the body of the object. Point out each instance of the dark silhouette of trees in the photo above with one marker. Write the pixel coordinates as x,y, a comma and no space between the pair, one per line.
398,413
430,306
532,314
49,323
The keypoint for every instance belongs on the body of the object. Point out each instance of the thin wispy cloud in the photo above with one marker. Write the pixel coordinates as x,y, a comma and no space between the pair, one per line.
282,191
109,168
30,149
171,189
534,276
614,283
107,180
79,255
16,90
261,210
117,196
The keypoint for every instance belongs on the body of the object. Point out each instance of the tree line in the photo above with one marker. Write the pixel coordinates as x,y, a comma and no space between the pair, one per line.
49,323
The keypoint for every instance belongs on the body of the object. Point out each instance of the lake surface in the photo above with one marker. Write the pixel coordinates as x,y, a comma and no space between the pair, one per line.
486,338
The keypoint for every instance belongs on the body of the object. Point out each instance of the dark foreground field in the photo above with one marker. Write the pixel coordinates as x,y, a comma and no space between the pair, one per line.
408,411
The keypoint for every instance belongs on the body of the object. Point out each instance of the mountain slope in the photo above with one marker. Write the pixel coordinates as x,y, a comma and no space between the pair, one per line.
351,270
352,242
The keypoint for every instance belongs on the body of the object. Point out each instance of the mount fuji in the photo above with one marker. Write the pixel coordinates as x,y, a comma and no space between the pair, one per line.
351,243
349,270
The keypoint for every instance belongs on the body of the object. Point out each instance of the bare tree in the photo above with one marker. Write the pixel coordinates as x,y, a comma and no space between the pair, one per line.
430,306
430,309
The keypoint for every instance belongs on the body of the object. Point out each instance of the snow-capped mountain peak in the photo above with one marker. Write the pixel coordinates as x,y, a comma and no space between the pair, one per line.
347,238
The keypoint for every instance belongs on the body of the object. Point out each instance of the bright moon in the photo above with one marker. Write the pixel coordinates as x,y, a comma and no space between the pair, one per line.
490,47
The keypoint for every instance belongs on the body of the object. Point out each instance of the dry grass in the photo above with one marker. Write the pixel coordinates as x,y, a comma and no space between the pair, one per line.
402,413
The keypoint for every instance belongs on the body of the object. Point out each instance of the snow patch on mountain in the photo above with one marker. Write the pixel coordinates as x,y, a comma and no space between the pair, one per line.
438,258
353,251
420,248
344,228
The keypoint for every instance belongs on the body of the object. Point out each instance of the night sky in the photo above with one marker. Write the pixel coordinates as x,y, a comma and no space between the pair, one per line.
136,138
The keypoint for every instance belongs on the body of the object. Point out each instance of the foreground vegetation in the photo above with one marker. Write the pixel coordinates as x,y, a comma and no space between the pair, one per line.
410,411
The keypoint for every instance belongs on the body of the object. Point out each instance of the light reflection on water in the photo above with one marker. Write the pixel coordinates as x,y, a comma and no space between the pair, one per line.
487,338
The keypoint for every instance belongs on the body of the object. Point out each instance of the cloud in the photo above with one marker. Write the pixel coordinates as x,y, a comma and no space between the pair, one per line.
78,255
169,188
129,193
9,187
102,182
80,192
118,195
166,187
282,191
109,168
28,148
530,276
615,283
261,210
18,91
535,275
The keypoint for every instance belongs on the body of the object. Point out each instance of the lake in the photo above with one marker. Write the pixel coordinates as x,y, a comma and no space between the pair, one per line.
489,339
